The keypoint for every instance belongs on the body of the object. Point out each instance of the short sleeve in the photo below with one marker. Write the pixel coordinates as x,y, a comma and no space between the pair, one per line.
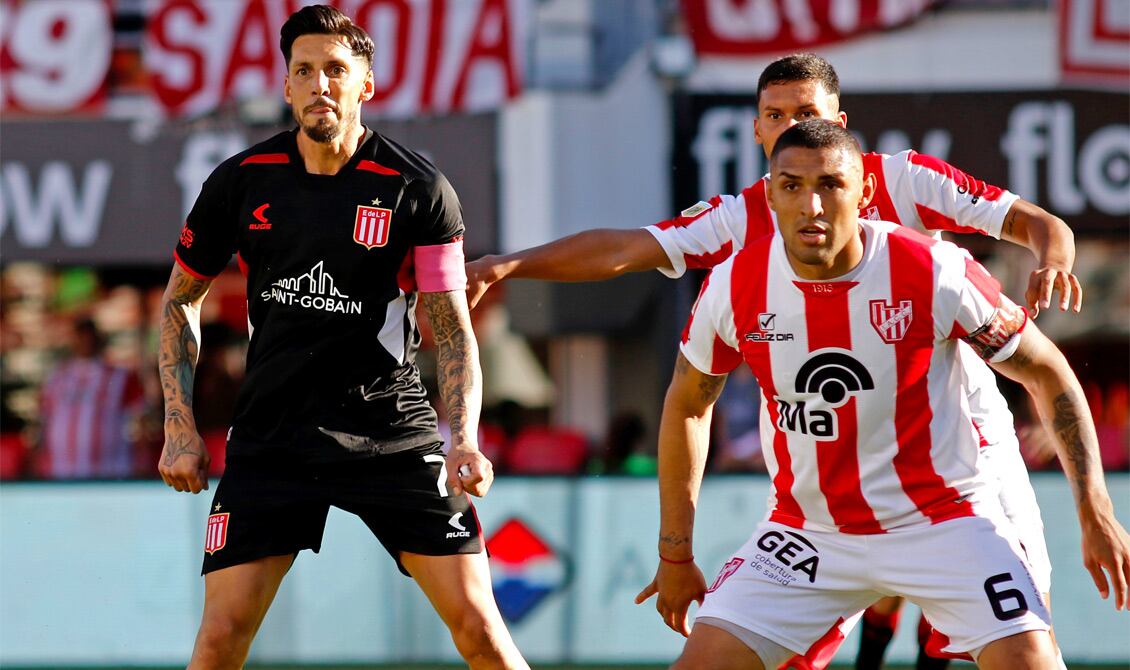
703,235
208,238
946,197
987,319
709,342
440,214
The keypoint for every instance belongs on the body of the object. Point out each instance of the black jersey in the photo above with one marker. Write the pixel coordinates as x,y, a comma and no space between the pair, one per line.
330,292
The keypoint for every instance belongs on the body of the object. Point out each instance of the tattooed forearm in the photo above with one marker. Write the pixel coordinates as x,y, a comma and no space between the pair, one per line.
179,345
1067,424
457,363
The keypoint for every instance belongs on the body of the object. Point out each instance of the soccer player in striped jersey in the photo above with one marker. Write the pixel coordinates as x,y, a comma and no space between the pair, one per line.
840,318
918,191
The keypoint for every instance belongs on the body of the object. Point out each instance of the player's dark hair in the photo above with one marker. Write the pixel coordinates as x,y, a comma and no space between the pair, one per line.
817,134
800,67
325,20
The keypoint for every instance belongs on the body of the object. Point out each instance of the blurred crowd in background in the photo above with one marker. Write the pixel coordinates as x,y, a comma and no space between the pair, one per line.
82,400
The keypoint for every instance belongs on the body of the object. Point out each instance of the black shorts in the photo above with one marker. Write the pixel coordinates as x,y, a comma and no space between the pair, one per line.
263,507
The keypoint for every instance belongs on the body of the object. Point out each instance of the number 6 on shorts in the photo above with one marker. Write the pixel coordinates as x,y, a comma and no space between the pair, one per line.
997,597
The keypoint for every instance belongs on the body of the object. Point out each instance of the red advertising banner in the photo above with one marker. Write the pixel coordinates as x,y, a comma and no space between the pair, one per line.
1094,41
747,27
54,55
192,56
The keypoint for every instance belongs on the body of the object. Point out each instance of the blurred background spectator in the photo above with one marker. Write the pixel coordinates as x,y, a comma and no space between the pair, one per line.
89,414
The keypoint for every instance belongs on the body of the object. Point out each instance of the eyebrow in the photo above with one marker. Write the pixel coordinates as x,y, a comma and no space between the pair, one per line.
827,175
303,63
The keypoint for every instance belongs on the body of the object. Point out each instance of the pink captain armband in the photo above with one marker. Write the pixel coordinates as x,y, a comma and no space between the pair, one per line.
439,267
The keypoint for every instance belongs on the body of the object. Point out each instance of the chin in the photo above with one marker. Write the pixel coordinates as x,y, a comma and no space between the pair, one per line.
322,132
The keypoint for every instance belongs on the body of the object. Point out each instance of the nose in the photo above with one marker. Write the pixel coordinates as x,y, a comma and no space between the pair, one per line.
322,83
813,206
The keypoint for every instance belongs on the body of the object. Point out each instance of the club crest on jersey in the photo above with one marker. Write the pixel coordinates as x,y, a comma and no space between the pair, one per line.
871,213
217,534
371,227
891,322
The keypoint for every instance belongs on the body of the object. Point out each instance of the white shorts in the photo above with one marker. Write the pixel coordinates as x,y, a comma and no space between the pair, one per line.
1004,462
803,588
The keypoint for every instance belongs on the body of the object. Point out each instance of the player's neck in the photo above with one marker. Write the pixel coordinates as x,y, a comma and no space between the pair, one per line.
841,264
329,157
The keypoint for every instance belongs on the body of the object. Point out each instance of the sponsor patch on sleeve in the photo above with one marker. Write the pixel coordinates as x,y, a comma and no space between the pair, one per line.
695,209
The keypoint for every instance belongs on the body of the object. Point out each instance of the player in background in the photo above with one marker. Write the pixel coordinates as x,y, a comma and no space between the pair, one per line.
339,231
918,191
836,315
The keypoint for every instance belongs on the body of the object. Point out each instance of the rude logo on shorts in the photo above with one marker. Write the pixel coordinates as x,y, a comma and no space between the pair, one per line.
783,558
460,529
217,534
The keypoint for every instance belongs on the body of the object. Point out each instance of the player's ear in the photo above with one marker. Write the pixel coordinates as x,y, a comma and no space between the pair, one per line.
868,190
369,89
842,119
286,90
757,131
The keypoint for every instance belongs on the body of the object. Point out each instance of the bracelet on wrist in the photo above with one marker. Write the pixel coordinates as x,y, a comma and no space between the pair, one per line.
674,562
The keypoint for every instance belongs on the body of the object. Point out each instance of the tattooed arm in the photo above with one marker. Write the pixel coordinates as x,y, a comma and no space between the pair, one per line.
461,389
1053,244
184,460
684,436
1045,373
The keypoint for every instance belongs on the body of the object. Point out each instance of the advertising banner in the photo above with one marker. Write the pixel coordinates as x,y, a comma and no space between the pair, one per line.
108,193
1094,41
1067,151
747,27
193,56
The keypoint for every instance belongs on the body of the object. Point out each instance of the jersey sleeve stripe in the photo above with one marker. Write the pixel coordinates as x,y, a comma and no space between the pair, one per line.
828,322
189,270
749,300
881,203
985,283
373,166
759,218
974,187
933,220
265,159
912,278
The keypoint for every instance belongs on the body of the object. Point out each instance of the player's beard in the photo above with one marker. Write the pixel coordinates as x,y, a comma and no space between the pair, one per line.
322,130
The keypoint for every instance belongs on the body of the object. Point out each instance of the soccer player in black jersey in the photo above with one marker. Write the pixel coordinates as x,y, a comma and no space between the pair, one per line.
338,230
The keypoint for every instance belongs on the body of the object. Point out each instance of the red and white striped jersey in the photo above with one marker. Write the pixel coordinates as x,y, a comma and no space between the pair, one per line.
870,427
87,406
915,190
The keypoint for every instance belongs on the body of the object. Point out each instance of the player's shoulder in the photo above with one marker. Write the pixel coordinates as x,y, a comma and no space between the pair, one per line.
275,150
392,157
911,244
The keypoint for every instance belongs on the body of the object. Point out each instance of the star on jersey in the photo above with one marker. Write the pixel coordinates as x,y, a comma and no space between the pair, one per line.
376,201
